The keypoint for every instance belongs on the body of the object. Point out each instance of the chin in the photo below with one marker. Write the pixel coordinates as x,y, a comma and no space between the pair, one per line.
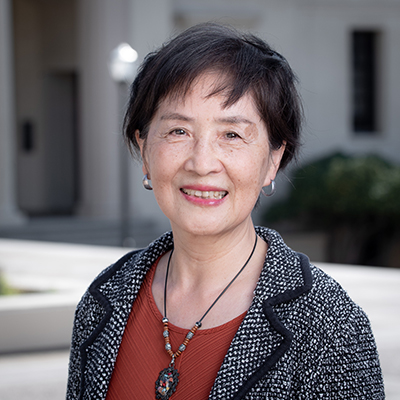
198,230
208,227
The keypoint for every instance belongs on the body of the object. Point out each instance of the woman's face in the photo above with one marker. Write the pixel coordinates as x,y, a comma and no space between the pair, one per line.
207,163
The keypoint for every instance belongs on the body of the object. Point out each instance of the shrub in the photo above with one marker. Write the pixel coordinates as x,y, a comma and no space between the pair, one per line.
356,197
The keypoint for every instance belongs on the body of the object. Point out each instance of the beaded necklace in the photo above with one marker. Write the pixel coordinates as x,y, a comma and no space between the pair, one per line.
168,378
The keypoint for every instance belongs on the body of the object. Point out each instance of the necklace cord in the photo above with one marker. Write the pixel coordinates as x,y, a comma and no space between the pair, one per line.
165,284
169,377
220,295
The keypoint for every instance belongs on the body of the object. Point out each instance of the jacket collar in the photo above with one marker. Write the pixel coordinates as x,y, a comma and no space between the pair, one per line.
262,338
115,290
258,344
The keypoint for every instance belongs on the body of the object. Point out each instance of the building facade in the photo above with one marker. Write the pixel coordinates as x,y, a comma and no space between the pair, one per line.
61,112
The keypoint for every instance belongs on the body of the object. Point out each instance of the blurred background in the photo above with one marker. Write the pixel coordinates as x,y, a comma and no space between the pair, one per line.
65,175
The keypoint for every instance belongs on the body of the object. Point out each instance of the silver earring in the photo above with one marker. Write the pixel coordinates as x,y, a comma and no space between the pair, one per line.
272,189
146,183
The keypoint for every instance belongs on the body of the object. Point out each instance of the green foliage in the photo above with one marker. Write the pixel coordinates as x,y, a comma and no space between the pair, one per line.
339,188
5,289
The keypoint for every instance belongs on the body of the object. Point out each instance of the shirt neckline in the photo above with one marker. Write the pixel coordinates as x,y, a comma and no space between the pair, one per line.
157,314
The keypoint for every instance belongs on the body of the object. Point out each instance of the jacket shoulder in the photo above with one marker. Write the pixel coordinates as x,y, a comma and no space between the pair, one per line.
332,297
93,303
90,313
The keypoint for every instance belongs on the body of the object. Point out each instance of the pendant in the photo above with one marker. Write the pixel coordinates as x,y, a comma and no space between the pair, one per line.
166,382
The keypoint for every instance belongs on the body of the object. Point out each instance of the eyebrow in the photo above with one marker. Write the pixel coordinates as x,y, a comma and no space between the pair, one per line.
235,120
175,117
225,120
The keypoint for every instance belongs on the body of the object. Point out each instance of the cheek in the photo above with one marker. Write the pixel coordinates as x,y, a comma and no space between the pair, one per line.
162,163
257,168
150,156
250,177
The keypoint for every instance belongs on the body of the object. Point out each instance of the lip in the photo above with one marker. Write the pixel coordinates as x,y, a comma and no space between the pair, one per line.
200,200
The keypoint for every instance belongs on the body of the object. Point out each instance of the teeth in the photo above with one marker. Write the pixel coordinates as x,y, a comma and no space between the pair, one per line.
205,195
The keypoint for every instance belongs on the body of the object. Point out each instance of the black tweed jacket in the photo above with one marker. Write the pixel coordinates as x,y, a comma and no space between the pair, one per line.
302,338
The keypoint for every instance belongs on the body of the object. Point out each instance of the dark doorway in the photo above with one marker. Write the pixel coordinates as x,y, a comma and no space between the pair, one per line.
60,148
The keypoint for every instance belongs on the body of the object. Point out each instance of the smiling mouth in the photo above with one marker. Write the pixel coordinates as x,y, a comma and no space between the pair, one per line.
217,195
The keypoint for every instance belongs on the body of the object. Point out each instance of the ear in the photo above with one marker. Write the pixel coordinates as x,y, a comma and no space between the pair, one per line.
141,143
275,157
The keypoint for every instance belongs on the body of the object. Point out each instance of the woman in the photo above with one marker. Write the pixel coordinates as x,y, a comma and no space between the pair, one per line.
217,308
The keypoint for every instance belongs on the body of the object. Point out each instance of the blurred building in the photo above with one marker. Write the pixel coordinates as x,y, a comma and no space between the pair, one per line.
60,111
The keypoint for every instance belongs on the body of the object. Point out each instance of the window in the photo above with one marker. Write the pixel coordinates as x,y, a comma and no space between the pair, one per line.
364,53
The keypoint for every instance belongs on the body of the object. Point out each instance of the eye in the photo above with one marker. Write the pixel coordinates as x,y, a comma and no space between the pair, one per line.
232,135
178,132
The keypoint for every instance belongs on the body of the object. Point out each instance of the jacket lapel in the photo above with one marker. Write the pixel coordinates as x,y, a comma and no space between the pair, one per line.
263,339
115,290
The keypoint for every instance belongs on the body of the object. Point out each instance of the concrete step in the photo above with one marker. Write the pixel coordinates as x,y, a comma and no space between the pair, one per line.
83,231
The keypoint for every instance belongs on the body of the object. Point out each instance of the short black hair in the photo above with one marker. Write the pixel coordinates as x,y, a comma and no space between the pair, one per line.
245,62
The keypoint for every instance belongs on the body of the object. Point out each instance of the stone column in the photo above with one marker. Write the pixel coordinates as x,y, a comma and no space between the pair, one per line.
100,30
103,25
9,214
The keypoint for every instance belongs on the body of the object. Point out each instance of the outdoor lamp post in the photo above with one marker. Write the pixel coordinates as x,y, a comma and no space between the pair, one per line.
122,63
122,68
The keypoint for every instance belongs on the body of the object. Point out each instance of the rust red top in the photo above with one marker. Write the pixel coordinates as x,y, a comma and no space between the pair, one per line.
142,355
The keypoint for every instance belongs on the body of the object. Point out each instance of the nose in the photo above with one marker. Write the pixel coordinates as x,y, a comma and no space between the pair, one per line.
203,158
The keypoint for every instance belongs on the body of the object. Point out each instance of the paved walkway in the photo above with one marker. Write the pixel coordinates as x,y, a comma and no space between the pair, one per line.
40,376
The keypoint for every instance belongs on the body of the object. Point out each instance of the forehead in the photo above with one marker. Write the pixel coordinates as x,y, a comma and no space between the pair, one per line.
209,88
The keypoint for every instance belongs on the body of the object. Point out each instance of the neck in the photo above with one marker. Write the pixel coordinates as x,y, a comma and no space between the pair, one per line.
200,269
209,259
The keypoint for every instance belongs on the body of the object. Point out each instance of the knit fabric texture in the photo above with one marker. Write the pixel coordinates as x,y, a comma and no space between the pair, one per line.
302,337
